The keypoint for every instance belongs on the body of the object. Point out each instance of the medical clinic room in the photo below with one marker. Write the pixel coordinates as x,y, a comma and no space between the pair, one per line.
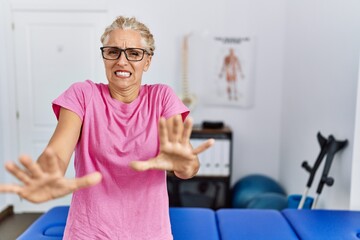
179,120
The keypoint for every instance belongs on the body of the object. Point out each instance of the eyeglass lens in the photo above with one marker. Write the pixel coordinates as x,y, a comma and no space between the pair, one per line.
131,54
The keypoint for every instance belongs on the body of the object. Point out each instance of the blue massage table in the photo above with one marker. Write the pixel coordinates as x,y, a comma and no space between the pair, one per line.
186,224
288,224
231,224
324,224
253,224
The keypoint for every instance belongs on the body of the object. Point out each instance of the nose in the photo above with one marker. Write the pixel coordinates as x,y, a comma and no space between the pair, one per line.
122,59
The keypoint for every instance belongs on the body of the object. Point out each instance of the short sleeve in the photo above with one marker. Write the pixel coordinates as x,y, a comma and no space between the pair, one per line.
172,105
75,98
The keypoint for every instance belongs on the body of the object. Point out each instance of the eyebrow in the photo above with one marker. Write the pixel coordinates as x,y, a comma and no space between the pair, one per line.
123,48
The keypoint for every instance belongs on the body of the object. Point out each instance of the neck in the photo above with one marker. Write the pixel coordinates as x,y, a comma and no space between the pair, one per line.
124,95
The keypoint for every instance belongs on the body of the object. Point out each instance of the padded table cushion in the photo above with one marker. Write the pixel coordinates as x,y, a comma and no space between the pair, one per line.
249,224
186,224
324,224
231,224
49,226
193,224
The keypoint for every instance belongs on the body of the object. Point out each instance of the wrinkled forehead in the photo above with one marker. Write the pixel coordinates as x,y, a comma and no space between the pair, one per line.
124,39
124,43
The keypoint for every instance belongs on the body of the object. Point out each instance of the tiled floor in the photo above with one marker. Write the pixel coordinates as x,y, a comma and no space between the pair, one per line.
14,225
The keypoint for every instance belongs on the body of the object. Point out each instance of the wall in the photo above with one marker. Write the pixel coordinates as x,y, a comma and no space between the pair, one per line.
319,91
256,138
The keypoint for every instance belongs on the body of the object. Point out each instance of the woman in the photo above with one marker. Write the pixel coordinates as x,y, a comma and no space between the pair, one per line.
125,136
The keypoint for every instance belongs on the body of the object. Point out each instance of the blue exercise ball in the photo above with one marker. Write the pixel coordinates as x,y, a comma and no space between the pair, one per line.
268,200
250,186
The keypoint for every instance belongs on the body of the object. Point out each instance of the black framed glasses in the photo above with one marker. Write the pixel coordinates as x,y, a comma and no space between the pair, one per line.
131,54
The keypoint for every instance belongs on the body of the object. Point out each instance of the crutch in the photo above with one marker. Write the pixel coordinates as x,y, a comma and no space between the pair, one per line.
323,142
333,147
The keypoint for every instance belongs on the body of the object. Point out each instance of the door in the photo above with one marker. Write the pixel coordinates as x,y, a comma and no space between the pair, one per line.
53,49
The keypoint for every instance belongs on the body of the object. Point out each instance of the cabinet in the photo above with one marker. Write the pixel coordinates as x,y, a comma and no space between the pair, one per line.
210,188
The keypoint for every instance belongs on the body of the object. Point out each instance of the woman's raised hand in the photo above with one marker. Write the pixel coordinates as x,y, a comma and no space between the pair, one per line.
176,153
44,180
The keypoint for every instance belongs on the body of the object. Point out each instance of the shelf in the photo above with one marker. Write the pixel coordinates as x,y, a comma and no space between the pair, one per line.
210,188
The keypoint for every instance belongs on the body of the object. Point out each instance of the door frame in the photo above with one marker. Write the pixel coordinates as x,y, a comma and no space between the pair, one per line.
355,175
8,122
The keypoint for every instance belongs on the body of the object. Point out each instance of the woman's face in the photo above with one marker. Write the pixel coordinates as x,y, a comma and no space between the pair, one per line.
121,73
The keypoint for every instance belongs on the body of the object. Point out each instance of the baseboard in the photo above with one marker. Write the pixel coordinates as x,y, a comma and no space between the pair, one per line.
8,211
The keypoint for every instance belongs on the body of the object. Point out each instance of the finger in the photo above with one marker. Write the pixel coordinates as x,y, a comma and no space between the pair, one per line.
163,133
205,145
169,124
31,166
177,129
10,188
17,172
85,181
187,130
140,165
151,164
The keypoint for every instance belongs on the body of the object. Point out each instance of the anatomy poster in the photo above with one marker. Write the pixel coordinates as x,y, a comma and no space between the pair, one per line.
228,71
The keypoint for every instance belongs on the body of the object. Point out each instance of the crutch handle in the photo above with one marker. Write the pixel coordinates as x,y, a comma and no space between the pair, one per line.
329,181
306,165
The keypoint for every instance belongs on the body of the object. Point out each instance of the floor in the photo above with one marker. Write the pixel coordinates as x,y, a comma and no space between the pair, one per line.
12,226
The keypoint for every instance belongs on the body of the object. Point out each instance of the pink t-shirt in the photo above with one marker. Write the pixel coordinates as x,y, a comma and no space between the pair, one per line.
126,204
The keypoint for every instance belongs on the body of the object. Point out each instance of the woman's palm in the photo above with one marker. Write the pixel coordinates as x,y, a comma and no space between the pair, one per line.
46,181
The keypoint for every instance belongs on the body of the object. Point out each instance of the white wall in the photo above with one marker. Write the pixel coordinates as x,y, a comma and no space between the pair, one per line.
256,130
319,92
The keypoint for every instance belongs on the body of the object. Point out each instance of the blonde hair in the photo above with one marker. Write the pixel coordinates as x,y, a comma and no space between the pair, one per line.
131,24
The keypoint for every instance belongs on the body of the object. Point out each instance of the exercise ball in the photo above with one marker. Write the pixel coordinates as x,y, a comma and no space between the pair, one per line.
250,186
268,200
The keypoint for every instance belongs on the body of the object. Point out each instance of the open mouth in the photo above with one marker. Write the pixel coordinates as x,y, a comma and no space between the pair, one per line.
122,73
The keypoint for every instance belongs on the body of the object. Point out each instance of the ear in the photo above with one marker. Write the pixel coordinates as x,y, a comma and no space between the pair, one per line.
147,63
